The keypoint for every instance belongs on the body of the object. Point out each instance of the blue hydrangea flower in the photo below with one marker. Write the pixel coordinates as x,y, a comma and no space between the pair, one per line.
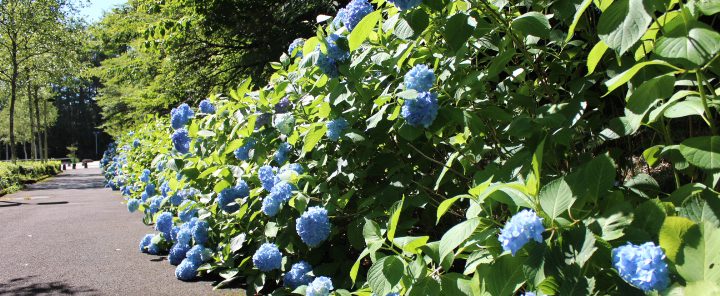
267,177
125,190
145,242
177,253
184,235
327,64
176,199
405,4
282,152
267,257
189,210
155,203
145,177
262,119
136,143
521,228
143,196
165,188
334,50
313,226
282,190
420,78
180,116
420,111
335,128
199,254
164,223
186,271
321,286
296,44
207,107
174,232
283,106
642,266
200,232
356,11
296,167
226,198
154,249
150,189
298,275
133,205
529,294
243,153
338,20
181,140
271,205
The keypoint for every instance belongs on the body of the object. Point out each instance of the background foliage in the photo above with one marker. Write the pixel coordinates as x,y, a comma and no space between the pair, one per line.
597,115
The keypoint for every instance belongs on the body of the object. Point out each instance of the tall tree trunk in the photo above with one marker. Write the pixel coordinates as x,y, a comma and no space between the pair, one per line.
36,100
25,150
13,95
33,152
45,129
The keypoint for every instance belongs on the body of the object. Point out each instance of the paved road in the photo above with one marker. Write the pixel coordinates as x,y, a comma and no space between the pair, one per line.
70,236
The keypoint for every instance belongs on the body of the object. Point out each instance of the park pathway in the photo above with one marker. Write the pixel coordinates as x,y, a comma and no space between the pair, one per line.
70,236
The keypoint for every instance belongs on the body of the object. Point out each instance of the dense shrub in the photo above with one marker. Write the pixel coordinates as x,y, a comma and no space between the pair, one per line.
13,175
462,148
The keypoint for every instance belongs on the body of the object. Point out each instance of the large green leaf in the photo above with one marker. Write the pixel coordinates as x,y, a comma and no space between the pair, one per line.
645,97
624,77
314,135
556,198
623,23
578,14
458,29
702,152
595,55
363,29
671,234
503,277
385,274
532,23
457,235
699,258
690,44
395,211
592,179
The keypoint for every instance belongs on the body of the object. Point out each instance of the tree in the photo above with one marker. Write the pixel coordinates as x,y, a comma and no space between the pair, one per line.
30,31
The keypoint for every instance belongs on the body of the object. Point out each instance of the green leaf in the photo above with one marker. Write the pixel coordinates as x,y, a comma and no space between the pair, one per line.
612,224
237,242
556,198
652,154
445,206
702,288
376,118
423,287
699,259
457,30
445,169
356,267
708,7
532,23
702,210
533,182
385,274
396,209
457,235
371,232
622,78
503,277
595,56
455,284
578,14
645,97
671,234
313,136
623,23
690,44
690,106
702,152
362,31
410,244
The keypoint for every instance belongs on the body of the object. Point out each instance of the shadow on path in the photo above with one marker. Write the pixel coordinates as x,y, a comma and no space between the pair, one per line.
25,286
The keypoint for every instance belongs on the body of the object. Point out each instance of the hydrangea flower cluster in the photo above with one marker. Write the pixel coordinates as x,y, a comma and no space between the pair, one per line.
267,257
180,116
521,228
335,128
642,266
313,226
200,232
355,11
262,119
283,106
420,78
420,111
145,176
136,143
207,107
189,211
405,4
298,275
280,193
267,177
296,44
243,153
334,50
150,189
181,140
321,286
133,205
228,196
177,253
337,22
145,242
327,65
281,153
155,203
164,224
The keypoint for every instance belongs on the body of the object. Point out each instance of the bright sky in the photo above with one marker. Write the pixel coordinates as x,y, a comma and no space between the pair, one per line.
95,11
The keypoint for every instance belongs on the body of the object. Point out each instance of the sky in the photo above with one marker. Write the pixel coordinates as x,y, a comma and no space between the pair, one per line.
95,10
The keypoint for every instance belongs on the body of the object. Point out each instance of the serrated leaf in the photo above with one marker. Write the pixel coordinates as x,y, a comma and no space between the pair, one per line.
671,234
699,258
691,44
595,56
457,235
385,274
363,29
313,136
556,198
578,14
532,23
395,211
702,152
624,77
623,23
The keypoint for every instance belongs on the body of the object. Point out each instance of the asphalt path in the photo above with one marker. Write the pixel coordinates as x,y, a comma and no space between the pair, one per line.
70,236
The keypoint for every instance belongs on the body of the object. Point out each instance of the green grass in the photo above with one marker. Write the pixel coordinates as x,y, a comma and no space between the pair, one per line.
14,175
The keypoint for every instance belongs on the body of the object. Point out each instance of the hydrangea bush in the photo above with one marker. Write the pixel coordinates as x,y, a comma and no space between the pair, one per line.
451,147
